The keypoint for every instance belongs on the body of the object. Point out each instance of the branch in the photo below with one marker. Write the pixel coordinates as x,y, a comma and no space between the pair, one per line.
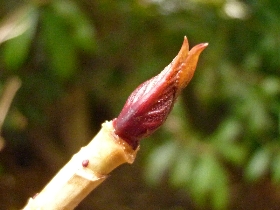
84,172
118,141
9,92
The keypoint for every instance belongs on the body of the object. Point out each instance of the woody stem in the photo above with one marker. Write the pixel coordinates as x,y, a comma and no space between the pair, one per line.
85,171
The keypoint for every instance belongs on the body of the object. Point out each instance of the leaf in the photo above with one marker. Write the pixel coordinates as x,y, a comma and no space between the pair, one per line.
220,190
225,140
16,23
16,48
82,31
202,178
234,153
210,181
59,45
159,161
271,85
229,130
182,168
258,165
220,197
276,168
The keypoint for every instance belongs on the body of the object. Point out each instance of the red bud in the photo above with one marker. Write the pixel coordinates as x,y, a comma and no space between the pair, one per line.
149,105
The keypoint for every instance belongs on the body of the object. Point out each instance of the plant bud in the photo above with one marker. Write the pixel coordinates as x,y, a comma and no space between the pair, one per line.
148,106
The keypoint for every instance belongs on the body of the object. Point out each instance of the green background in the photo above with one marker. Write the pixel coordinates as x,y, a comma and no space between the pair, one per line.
78,61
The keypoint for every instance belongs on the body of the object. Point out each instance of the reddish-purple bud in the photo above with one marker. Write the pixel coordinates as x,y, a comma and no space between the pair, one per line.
149,105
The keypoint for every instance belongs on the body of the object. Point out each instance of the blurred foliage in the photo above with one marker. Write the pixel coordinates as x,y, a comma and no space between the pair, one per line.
227,118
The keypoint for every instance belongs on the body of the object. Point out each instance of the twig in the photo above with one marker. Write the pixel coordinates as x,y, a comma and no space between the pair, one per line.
118,141
84,172
9,92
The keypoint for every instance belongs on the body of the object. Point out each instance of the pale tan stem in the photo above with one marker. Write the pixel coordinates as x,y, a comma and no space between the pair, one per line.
11,87
84,172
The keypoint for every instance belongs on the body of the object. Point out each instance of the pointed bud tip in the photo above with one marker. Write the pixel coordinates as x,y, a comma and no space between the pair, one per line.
187,66
203,45
200,47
